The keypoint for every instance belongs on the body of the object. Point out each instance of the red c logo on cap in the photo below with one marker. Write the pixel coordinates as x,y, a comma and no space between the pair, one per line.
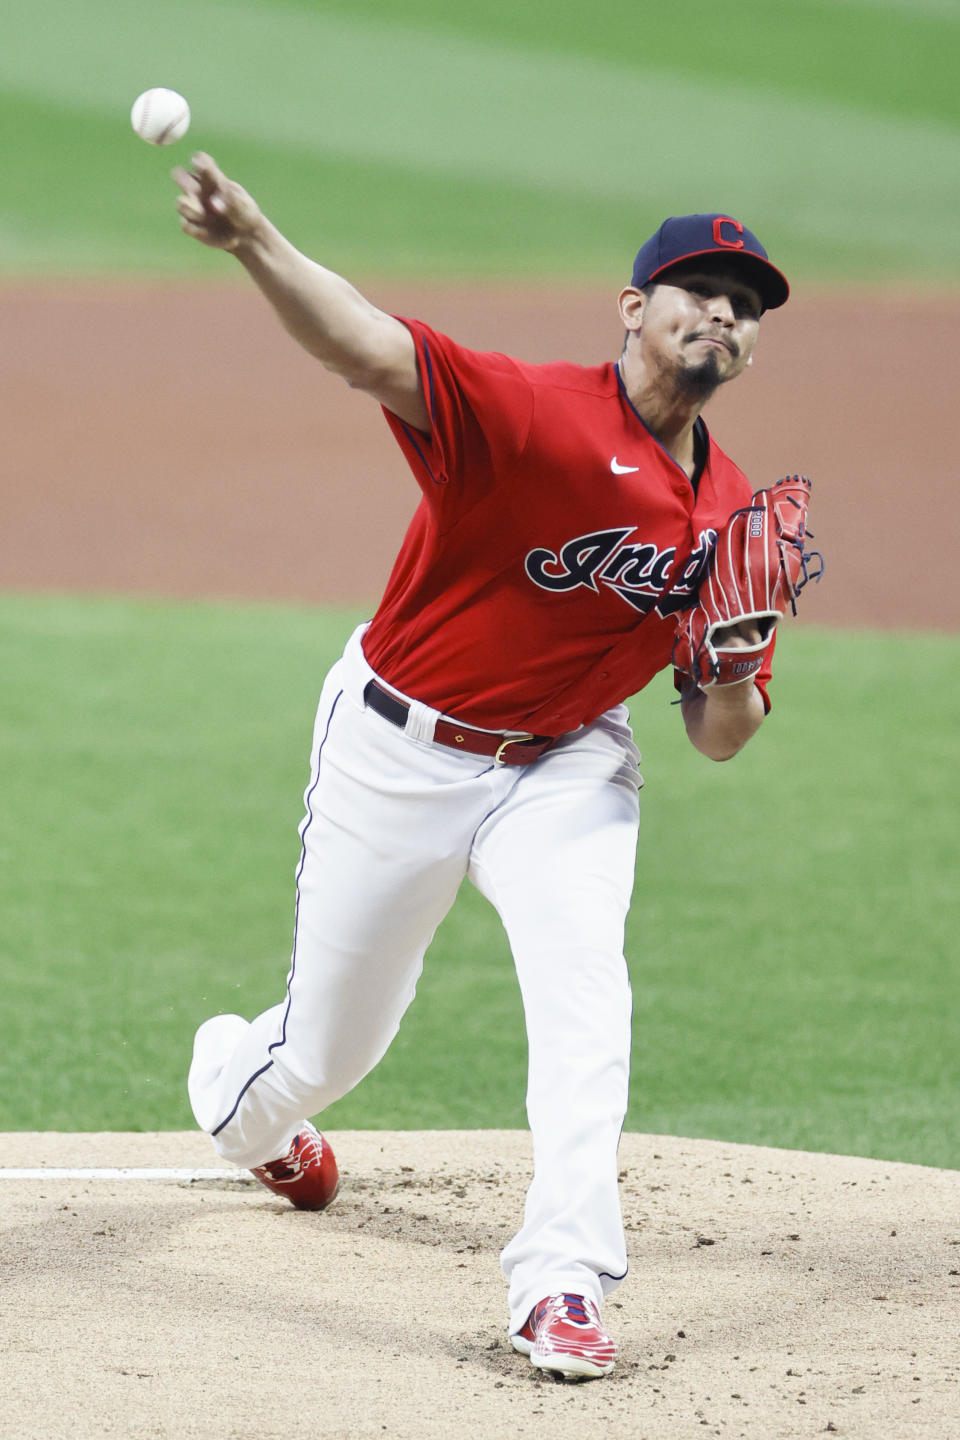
718,237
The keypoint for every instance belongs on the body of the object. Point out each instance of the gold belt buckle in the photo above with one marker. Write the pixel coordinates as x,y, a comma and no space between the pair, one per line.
511,740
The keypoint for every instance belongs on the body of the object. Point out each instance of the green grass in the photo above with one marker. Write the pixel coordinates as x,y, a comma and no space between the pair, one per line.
791,941
427,138
837,50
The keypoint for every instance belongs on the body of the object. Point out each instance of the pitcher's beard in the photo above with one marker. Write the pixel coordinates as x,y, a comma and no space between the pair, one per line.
698,382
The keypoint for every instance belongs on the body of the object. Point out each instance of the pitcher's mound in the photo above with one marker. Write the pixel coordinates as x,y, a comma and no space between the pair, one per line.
771,1294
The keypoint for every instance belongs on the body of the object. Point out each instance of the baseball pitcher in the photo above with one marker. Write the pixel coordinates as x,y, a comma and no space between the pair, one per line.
578,531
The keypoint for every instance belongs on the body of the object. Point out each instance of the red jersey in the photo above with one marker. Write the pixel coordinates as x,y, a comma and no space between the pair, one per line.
554,542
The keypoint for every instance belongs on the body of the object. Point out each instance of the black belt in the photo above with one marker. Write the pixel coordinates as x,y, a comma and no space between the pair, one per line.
502,749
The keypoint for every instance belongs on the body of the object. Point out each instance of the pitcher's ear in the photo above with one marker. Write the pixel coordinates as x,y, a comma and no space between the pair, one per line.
630,303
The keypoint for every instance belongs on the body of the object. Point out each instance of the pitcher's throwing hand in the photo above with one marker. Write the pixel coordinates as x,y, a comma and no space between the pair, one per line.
214,210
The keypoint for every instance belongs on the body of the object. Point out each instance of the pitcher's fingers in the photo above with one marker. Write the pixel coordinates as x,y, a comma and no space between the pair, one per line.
186,180
207,171
196,232
190,207
216,190
739,636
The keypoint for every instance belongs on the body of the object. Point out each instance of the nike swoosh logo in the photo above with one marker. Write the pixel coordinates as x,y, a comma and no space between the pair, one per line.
619,469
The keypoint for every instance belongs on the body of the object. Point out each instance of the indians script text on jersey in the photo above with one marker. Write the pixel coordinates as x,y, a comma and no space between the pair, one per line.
553,544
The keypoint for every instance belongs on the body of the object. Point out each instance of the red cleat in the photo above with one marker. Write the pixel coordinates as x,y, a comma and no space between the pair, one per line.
307,1175
563,1334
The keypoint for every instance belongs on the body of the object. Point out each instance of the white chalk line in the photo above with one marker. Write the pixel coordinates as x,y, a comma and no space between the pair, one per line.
102,1172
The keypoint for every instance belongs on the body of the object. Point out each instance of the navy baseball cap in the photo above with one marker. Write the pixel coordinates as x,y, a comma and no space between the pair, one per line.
687,237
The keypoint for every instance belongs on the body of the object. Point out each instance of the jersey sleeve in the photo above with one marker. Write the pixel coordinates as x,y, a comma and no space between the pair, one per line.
481,410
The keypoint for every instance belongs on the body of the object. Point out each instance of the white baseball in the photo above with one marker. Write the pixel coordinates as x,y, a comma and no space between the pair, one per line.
160,116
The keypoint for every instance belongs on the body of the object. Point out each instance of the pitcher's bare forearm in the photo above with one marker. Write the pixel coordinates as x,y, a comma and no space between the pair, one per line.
323,312
720,720
330,318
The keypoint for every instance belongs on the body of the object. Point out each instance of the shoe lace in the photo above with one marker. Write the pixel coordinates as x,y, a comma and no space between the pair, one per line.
572,1308
576,1309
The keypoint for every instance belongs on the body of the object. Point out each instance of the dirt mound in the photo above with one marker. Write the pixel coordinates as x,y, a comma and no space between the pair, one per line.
771,1294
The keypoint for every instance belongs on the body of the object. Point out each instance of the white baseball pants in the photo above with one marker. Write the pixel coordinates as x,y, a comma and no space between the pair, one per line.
393,824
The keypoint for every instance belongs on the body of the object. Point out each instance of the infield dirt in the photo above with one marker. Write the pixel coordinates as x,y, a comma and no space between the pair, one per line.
772,1294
